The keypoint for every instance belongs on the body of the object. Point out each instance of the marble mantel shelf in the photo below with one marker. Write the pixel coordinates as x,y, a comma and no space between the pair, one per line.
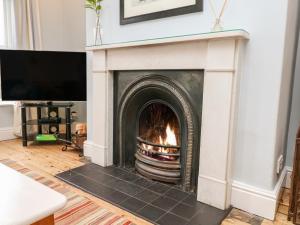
237,34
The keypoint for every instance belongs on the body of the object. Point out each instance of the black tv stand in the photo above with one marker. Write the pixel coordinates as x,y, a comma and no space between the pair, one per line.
67,121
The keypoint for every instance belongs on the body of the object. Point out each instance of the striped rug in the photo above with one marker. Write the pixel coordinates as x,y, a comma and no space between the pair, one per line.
79,210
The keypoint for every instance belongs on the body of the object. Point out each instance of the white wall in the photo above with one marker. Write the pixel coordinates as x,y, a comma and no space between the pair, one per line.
51,15
73,25
263,87
63,25
6,116
6,122
63,29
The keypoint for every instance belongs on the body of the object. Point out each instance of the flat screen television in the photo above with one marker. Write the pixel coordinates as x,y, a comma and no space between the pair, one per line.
42,75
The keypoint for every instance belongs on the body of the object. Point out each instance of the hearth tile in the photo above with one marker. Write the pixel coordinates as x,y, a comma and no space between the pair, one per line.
88,167
147,196
186,211
164,203
84,182
116,197
113,182
93,169
126,187
209,215
171,219
103,192
191,200
144,182
120,173
112,171
104,179
178,187
159,188
151,213
99,176
176,194
133,204
99,190
66,175
130,177
129,169
90,186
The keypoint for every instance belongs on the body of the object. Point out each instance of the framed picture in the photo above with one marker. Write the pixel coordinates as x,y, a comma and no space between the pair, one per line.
133,11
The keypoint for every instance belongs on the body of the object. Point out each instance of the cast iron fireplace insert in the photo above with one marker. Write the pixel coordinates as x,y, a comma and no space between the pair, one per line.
157,118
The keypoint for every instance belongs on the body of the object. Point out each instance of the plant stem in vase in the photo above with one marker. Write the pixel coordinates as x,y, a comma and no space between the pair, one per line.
98,37
95,5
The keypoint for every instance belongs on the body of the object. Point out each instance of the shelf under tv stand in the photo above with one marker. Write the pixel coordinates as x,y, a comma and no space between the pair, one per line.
67,121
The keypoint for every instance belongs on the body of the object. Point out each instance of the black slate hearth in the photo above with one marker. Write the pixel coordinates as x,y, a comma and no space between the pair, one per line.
155,202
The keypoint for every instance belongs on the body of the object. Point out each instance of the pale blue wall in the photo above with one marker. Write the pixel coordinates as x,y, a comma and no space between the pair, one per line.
184,24
262,75
295,113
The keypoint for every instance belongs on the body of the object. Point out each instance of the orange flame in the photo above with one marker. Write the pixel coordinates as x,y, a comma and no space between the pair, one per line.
170,139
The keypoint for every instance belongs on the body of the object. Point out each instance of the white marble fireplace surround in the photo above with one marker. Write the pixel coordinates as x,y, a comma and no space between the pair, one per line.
219,55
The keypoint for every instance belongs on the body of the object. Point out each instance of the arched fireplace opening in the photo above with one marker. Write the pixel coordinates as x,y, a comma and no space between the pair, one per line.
157,124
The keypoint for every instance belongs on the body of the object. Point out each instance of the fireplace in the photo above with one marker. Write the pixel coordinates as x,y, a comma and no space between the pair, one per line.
157,126
170,70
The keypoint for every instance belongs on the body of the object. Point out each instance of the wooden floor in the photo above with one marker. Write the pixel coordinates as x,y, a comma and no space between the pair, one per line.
238,217
49,160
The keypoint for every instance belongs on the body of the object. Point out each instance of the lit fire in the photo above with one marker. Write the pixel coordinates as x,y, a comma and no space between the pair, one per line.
170,140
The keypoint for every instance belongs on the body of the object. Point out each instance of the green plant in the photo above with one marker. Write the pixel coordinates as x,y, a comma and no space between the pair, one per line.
95,5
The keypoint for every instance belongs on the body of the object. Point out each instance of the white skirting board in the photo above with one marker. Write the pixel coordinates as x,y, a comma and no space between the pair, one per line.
258,201
207,187
96,152
7,133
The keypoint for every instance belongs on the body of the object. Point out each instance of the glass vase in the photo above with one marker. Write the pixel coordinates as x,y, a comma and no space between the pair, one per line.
98,33
217,26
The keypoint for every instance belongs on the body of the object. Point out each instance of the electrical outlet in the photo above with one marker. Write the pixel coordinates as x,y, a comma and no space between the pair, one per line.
279,164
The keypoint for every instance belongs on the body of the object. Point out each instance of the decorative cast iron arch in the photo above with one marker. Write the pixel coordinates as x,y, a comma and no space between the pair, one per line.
165,84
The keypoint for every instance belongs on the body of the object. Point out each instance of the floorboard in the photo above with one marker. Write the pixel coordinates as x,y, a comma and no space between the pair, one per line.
50,160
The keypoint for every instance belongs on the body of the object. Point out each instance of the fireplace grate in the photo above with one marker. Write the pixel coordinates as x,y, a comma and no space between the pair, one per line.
157,161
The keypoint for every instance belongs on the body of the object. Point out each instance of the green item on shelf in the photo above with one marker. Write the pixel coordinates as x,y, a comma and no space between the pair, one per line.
45,137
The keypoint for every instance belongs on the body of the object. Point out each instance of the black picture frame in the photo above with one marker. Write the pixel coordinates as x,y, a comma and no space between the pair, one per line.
198,7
